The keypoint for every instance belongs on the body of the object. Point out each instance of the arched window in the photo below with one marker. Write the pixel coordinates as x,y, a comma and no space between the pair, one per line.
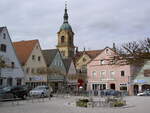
3,47
12,65
62,39
70,41
63,53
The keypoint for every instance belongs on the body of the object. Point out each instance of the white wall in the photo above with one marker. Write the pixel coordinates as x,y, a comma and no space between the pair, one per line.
10,56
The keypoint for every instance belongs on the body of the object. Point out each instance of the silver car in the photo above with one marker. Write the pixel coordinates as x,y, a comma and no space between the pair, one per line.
144,93
39,91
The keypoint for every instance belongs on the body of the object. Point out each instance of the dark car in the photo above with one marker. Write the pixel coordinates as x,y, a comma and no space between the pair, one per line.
110,92
14,92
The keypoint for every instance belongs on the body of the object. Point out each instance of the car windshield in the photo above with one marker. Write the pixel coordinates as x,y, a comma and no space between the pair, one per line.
7,88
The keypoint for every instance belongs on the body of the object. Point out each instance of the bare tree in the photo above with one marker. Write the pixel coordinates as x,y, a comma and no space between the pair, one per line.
134,52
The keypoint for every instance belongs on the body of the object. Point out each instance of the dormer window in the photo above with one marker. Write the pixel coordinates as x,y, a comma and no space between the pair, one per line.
102,62
62,39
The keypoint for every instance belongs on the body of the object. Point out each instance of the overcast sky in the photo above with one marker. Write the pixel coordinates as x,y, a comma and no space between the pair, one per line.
96,23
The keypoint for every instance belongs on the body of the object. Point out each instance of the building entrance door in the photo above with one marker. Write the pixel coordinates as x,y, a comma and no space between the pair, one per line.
112,86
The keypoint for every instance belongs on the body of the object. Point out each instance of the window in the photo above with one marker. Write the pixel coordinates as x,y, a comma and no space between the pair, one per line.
62,39
62,53
102,62
84,60
112,74
12,64
94,73
102,74
27,70
9,81
70,41
4,36
3,47
147,73
33,57
39,58
19,81
122,73
32,70
102,86
124,88
84,68
1,82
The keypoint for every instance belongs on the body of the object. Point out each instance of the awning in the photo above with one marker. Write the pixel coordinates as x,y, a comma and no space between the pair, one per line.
140,81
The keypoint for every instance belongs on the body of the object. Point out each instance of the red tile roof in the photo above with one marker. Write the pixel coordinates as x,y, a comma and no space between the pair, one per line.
91,53
24,49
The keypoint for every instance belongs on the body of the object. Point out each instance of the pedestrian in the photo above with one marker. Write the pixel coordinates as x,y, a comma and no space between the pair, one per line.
50,92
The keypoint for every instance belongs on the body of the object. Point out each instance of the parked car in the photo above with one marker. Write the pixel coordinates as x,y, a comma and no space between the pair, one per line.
110,92
40,91
144,93
13,92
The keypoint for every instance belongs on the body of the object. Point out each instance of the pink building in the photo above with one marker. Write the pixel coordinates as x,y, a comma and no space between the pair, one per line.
103,73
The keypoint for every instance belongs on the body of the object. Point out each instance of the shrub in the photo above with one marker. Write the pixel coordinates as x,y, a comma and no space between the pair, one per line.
118,103
82,102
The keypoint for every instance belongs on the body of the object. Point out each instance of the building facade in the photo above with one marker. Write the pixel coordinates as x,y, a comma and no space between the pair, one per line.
56,77
104,73
141,81
12,74
31,58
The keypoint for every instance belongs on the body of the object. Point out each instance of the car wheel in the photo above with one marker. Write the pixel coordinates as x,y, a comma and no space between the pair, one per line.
24,97
42,95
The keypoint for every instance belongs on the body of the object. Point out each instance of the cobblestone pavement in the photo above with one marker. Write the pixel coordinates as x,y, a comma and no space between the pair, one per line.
65,105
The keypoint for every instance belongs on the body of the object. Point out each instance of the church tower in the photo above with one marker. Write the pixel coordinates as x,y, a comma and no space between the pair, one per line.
65,38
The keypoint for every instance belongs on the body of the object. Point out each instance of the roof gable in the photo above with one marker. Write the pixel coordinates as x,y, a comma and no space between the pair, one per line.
67,63
24,49
106,53
49,55
91,53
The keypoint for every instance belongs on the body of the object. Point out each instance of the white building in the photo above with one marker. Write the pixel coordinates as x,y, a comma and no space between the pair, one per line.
12,74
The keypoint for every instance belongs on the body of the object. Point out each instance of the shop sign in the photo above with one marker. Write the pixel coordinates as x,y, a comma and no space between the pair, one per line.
140,81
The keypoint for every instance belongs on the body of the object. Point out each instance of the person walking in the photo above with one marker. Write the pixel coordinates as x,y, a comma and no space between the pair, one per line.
50,92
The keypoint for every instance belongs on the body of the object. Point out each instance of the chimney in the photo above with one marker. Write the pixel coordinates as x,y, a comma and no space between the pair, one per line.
114,46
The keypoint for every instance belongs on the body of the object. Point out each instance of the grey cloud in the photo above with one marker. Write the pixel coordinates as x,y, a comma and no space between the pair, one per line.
96,23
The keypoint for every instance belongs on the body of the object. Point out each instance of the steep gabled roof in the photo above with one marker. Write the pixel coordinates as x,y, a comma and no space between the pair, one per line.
93,53
67,63
1,28
49,55
24,49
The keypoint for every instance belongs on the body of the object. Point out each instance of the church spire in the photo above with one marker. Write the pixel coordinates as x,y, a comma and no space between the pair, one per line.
66,14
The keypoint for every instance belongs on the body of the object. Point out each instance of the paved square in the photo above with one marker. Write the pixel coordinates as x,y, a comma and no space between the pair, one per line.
60,105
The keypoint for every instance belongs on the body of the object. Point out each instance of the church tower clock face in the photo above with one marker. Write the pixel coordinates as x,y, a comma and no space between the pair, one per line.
65,38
